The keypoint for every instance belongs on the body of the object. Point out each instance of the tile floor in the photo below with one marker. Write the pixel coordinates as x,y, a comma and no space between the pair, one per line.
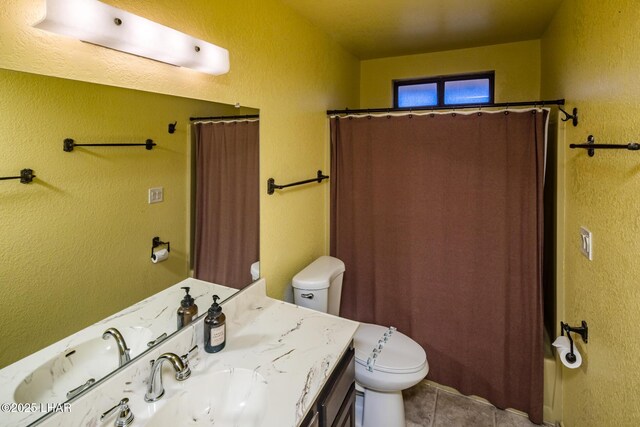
429,406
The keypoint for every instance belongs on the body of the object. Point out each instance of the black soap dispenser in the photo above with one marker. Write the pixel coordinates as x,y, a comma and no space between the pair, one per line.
187,310
215,328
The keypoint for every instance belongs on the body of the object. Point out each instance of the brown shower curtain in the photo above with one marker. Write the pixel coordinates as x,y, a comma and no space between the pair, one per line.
227,202
438,219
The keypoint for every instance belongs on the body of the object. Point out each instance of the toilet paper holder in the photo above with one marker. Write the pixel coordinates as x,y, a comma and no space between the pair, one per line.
583,331
156,242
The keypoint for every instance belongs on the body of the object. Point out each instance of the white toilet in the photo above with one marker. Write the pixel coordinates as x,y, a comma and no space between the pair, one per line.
387,361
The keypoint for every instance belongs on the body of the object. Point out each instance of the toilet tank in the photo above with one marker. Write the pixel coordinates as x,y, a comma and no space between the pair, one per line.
319,285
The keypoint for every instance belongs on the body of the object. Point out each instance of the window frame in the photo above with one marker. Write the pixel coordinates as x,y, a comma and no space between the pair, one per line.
440,81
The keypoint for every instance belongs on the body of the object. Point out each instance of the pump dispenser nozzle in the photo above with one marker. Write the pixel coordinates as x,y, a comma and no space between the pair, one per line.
188,299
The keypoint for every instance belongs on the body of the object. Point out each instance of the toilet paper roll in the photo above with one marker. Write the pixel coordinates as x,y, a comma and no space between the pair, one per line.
563,357
561,343
159,256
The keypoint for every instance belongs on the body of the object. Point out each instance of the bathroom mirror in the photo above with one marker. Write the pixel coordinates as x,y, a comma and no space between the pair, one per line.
77,240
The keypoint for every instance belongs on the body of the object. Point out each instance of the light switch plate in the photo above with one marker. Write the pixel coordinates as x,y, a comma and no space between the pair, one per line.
156,195
586,243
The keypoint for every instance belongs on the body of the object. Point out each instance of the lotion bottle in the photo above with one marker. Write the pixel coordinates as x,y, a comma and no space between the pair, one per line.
215,328
187,310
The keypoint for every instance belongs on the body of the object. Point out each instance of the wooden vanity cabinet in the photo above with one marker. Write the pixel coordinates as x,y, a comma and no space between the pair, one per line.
336,404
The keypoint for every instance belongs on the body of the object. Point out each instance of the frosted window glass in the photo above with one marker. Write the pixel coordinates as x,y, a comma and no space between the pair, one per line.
467,91
420,95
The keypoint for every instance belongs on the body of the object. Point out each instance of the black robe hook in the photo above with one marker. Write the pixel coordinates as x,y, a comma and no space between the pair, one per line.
567,116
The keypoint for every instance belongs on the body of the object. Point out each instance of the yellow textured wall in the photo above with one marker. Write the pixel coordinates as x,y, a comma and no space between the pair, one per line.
517,67
280,64
591,57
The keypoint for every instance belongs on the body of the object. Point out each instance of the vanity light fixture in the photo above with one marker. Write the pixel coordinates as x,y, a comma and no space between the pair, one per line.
98,23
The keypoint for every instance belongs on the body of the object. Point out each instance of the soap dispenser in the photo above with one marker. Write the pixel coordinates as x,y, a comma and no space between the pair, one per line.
214,328
187,310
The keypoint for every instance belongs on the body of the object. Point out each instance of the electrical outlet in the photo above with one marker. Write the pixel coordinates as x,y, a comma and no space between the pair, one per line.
586,243
156,195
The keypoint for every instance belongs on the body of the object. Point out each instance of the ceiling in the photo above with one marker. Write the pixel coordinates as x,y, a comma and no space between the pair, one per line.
382,28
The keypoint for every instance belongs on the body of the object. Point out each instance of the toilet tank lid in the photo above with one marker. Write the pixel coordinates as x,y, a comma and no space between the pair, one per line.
318,274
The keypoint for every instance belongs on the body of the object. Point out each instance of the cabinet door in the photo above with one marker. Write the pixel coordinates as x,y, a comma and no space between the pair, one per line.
312,420
347,415
337,390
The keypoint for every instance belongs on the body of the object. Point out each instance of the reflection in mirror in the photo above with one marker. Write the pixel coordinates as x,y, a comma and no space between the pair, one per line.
77,240
226,214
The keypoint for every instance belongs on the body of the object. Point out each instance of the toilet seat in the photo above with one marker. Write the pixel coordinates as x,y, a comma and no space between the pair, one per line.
387,350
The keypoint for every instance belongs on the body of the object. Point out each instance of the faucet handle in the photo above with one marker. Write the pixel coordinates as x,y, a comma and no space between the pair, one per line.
157,340
186,358
186,370
124,418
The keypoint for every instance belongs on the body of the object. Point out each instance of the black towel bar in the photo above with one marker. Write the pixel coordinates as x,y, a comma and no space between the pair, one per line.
26,176
272,186
69,144
591,146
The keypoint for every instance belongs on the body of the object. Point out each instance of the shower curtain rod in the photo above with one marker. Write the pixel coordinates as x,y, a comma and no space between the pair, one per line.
457,107
247,116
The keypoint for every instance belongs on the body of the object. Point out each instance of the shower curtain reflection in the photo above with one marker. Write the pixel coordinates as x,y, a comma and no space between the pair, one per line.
438,218
227,201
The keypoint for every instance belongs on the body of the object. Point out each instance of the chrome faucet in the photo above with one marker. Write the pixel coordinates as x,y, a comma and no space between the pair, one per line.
123,351
155,389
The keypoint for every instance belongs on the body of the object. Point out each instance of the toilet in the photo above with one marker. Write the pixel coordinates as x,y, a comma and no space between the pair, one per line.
387,361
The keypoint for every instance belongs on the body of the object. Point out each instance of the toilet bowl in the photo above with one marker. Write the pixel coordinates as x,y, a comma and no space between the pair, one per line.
387,361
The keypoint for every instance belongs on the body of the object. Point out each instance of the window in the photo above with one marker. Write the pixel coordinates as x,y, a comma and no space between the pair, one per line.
462,89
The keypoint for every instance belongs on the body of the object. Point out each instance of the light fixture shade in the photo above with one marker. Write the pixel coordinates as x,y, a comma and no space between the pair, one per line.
98,23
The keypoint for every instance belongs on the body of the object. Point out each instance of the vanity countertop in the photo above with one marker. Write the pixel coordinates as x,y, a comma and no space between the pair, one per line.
293,349
144,321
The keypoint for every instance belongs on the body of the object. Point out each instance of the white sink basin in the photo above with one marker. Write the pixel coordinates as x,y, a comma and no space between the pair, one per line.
236,397
92,359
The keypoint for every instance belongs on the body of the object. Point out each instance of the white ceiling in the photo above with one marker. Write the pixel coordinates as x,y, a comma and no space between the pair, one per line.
382,28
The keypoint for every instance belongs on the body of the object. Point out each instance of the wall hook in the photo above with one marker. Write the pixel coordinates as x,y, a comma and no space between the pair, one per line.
567,116
172,127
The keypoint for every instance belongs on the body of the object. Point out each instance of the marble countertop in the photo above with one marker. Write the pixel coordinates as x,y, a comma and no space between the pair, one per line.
294,350
139,324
